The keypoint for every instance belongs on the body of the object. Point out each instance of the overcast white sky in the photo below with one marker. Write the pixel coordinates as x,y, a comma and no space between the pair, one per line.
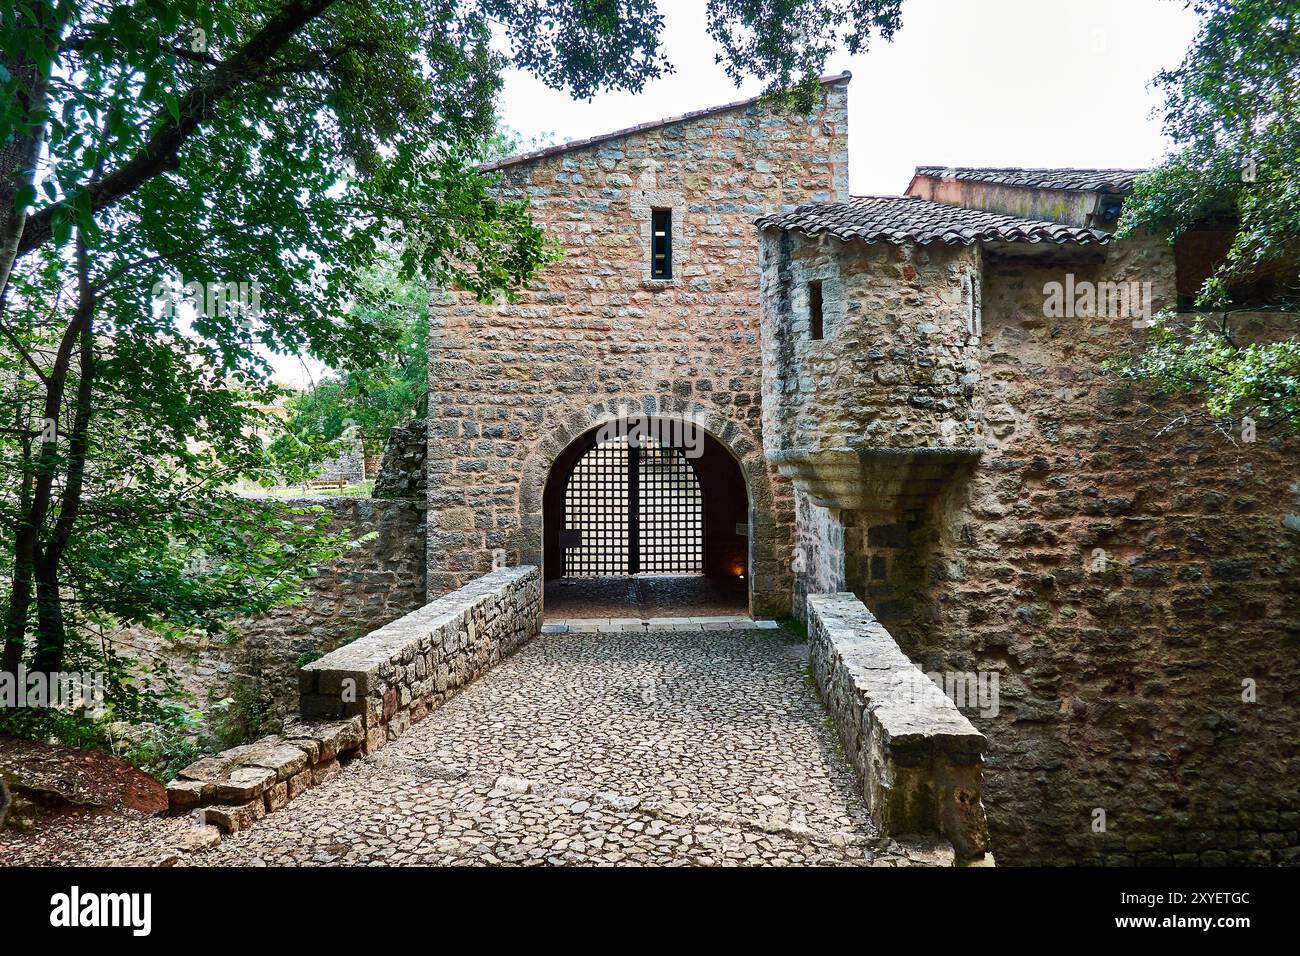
964,83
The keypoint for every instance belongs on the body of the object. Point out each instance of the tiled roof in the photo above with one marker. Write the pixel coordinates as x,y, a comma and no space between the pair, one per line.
899,219
640,128
1092,180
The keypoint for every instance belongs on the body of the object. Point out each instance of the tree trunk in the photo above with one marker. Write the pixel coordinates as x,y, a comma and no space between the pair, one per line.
18,157
13,644
27,537
51,635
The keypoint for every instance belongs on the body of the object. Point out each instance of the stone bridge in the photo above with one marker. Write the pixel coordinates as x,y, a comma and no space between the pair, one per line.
461,734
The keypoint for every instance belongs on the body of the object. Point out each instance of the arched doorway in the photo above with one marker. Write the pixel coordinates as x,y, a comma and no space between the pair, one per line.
652,502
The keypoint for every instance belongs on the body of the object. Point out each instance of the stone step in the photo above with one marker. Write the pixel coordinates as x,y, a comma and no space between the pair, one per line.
633,625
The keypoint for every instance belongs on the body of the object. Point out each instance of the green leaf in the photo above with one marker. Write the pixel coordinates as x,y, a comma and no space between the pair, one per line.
61,226
24,196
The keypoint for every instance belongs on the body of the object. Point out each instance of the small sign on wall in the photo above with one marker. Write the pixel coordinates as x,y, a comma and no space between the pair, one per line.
742,529
571,538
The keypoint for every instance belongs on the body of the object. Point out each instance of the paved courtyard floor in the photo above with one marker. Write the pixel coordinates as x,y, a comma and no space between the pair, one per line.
672,748
645,596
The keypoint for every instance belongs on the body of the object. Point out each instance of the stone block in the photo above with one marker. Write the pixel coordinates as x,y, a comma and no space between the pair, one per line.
196,839
232,819
324,771
298,784
308,745
243,784
284,758
183,794
277,796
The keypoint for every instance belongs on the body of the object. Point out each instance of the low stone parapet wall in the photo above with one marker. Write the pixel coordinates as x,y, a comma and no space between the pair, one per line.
392,677
357,698
920,760
237,787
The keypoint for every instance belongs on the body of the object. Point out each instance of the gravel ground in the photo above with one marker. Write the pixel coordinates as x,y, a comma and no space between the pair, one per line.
92,838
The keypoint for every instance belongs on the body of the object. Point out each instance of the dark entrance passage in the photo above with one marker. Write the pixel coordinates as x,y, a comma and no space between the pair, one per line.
648,502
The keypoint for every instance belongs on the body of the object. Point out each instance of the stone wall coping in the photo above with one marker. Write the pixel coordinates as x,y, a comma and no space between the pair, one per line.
911,710
919,759
390,642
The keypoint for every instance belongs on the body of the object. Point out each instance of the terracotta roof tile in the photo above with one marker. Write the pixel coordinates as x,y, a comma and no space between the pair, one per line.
1091,180
905,219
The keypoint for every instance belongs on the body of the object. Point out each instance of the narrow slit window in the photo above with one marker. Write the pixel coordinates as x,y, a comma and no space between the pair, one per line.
815,310
661,244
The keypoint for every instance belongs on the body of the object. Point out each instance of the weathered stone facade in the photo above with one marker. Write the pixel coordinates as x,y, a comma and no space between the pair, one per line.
897,366
596,338
947,449
1126,580
1122,579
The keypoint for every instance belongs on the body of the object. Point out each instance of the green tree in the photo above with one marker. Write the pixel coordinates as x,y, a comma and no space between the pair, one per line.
279,146
372,397
375,397
1233,110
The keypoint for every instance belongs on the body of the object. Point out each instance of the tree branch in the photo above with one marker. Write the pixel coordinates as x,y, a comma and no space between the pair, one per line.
195,107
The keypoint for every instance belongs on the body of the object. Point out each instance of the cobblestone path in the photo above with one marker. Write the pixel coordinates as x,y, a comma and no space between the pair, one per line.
660,748
669,747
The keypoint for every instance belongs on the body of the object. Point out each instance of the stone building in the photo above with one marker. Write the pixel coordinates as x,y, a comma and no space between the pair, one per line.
903,397
606,335
965,464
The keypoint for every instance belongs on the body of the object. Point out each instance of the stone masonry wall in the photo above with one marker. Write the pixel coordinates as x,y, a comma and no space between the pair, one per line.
1127,583
395,675
897,366
820,556
357,698
1126,580
348,465
378,579
401,473
918,757
596,329
1131,585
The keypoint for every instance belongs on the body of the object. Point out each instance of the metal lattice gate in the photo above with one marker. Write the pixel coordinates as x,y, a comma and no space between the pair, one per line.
637,508
596,505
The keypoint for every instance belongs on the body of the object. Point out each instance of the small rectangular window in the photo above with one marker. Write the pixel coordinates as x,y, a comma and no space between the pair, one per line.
661,244
815,309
